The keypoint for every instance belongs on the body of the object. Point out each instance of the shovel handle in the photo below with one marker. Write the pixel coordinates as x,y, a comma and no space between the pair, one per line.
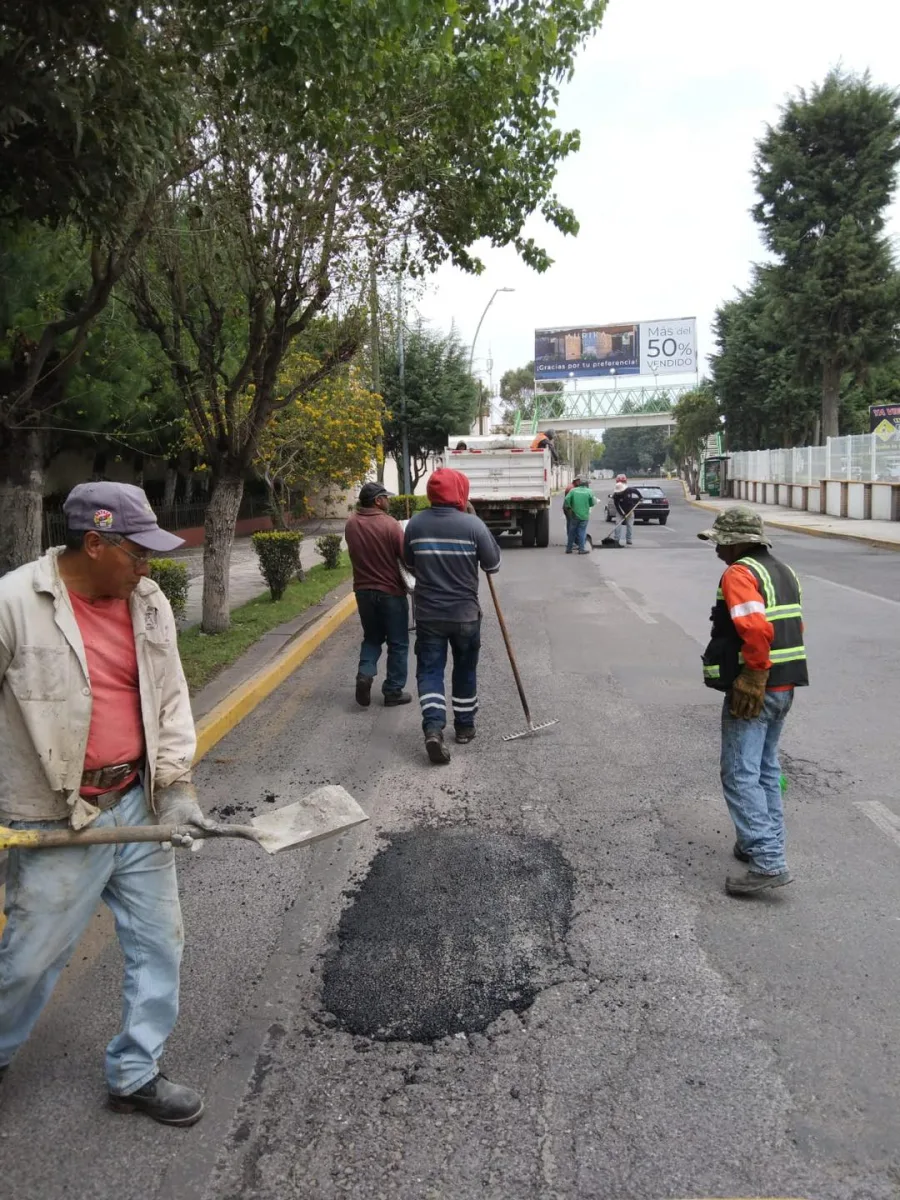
41,839
509,649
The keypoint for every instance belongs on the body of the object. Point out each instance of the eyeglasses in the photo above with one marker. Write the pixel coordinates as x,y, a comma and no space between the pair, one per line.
114,540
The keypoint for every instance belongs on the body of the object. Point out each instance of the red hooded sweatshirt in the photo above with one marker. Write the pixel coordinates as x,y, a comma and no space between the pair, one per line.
448,488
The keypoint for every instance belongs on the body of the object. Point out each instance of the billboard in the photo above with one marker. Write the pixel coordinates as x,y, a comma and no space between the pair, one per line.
636,348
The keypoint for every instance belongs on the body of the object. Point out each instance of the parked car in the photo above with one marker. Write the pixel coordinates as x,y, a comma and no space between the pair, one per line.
654,506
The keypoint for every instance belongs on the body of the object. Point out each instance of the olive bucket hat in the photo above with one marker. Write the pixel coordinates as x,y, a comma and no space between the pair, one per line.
737,526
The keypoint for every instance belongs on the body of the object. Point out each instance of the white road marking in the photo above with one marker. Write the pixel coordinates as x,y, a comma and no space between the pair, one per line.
845,587
881,816
629,603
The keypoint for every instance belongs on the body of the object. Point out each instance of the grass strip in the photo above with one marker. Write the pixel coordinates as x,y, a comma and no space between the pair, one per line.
204,655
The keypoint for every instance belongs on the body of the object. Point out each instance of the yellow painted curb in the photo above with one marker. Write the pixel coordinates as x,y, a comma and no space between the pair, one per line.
241,702
877,543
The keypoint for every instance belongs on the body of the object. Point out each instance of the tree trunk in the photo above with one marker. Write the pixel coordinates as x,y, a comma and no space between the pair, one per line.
831,399
171,485
21,497
221,515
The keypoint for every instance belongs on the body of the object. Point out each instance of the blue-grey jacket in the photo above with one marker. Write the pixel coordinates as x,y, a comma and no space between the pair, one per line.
444,548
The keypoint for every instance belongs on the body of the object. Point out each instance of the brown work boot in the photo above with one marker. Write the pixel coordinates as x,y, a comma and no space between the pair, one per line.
465,734
435,748
364,690
392,699
751,883
164,1101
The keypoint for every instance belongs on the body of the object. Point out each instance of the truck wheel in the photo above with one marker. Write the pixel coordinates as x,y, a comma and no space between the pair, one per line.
529,529
543,528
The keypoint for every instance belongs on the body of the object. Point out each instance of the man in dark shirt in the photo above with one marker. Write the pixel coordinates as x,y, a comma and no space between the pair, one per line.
445,546
375,544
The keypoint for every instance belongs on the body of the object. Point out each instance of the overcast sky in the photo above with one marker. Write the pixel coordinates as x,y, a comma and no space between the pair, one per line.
670,99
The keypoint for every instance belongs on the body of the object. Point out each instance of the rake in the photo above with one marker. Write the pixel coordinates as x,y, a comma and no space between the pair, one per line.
532,728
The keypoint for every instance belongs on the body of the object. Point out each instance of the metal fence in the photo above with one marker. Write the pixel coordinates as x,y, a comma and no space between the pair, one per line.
859,457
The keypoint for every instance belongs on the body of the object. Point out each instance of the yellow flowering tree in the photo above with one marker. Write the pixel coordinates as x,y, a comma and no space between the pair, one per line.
322,438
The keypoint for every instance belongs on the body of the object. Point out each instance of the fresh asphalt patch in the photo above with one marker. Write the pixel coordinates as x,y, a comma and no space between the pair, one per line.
449,929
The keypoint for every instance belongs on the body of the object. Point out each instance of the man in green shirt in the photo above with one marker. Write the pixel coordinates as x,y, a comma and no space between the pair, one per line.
579,503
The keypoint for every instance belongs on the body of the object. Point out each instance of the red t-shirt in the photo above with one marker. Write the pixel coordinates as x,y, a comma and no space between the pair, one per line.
116,734
375,543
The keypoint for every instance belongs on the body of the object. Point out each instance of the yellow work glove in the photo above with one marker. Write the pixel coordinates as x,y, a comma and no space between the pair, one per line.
748,694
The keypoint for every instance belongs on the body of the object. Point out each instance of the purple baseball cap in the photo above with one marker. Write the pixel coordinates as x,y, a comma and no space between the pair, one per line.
117,508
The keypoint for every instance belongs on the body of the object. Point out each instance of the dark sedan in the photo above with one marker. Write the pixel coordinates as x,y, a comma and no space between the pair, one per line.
654,506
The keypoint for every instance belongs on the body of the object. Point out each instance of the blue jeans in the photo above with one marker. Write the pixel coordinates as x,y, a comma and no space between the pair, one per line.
51,896
384,618
751,781
625,530
432,640
577,531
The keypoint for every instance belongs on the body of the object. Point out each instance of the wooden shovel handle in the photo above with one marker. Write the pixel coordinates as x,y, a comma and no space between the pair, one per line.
509,649
39,839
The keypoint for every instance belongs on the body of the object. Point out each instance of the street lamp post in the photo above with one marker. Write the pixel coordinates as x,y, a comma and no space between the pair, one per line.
472,353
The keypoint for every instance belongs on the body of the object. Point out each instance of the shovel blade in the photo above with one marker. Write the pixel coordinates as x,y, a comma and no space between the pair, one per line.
327,811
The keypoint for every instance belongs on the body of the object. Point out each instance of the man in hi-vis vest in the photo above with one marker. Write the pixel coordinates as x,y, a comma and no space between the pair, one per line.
757,657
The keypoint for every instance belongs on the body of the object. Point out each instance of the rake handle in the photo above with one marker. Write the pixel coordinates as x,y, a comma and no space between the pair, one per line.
509,649
42,839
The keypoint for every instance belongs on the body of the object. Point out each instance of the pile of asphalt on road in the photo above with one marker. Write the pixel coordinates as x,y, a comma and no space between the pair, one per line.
449,929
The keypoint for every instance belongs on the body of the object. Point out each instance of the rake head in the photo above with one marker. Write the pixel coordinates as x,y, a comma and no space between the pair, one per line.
532,728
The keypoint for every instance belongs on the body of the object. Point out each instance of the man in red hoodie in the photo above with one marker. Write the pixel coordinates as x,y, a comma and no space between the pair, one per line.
444,546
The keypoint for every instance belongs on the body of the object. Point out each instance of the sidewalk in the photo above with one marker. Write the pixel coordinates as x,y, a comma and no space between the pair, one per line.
884,534
246,581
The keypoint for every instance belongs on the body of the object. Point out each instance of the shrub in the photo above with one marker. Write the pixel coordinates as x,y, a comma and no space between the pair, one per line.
329,546
398,506
172,578
279,558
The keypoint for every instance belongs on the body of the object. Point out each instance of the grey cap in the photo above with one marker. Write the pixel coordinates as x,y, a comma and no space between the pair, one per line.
370,492
737,526
118,508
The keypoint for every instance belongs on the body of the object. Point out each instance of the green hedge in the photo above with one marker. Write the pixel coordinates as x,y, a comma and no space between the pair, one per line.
172,578
279,558
398,506
329,546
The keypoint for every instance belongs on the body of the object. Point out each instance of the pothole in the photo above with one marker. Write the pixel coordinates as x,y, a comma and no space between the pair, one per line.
449,929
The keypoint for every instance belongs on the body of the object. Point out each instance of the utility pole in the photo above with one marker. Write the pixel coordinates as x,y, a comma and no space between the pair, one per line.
375,343
401,370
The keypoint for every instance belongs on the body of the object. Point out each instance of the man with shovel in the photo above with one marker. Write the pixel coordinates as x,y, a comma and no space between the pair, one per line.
97,731
444,546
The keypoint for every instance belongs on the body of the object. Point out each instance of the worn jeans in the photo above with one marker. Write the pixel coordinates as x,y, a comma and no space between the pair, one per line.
625,531
432,640
384,618
577,531
51,896
751,781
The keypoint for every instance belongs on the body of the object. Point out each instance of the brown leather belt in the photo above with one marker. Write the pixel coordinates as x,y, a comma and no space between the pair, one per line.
112,780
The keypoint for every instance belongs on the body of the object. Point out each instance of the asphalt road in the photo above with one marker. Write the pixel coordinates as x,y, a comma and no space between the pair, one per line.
522,979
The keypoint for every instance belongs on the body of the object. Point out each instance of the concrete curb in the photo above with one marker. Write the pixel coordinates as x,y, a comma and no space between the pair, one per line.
247,696
876,543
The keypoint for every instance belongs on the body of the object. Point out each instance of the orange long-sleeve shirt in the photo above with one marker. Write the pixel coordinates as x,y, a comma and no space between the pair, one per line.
746,606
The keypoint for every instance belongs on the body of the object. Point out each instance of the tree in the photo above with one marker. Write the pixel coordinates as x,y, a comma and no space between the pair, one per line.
825,177
441,396
696,418
635,450
521,393
423,126
92,127
755,375
324,438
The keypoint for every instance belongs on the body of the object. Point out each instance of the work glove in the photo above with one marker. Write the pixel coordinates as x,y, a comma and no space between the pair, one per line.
748,694
177,804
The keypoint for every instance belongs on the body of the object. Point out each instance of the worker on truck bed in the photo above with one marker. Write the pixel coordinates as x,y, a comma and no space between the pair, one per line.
445,546
547,441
